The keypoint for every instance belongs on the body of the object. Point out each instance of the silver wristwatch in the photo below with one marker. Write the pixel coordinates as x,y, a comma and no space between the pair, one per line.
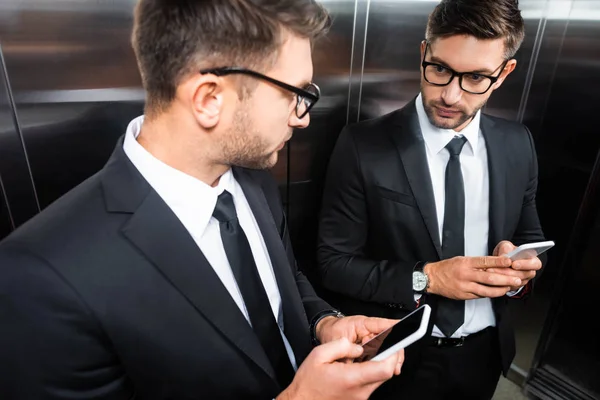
420,278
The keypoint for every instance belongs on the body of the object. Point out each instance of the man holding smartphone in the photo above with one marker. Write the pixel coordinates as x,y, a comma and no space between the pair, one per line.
421,204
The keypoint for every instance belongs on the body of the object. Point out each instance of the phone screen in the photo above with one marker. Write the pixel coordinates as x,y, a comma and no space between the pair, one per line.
391,336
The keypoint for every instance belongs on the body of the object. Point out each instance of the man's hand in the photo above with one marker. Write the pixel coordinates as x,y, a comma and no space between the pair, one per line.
522,269
322,376
466,278
357,329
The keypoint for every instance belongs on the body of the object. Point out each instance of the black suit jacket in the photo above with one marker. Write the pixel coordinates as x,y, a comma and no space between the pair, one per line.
105,295
378,214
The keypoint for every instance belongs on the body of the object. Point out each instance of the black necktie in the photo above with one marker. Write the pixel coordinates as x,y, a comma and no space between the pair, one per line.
255,297
451,313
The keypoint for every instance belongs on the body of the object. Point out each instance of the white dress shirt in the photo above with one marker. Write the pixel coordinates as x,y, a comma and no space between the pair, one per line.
193,202
474,166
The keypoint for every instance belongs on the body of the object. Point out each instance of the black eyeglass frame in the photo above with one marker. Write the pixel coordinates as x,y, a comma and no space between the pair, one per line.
301,94
493,79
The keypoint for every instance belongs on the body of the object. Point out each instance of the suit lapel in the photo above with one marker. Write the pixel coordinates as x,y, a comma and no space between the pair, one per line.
407,136
498,180
157,232
293,312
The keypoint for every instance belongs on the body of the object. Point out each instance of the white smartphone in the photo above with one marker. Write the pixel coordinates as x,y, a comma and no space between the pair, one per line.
403,333
529,250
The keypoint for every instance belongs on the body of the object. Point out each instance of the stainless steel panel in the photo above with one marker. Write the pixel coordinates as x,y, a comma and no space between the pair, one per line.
18,201
332,69
75,84
6,223
565,130
310,148
556,16
510,99
391,67
357,62
568,356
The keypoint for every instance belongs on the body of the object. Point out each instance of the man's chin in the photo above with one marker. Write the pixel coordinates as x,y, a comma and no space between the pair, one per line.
266,162
449,123
446,123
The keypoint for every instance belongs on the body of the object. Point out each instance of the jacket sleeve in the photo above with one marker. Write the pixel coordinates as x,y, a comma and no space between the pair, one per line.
343,263
51,347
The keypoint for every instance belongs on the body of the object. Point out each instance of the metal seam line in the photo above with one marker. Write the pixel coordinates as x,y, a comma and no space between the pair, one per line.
362,69
539,37
555,68
13,106
351,63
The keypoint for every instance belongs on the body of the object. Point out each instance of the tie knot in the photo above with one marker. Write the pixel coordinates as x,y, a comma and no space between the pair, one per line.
225,209
455,145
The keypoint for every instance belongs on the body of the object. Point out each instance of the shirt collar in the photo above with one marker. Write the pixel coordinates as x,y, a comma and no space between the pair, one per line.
436,138
192,200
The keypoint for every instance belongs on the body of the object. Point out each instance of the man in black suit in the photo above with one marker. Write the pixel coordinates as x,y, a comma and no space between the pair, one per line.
421,204
169,274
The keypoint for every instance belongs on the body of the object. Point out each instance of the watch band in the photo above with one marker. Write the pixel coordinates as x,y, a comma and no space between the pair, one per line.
419,266
317,318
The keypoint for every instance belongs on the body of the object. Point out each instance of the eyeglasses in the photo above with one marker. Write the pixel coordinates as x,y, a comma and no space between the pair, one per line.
471,82
306,98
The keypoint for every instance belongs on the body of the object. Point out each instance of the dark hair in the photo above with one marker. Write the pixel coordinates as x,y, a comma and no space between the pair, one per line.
484,19
174,38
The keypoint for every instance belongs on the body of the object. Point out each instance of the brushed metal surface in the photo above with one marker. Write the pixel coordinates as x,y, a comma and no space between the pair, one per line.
17,191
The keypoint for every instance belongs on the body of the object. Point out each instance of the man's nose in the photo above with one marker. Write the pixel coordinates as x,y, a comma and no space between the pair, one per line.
299,123
452,93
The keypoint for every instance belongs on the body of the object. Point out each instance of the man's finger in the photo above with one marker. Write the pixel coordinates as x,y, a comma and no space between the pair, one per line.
337,350
370,372
399,362
505,248
378,325
528,264
509,272
484,262
479,291
496,279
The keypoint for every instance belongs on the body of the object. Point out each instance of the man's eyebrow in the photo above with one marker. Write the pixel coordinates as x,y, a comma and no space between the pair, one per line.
479,71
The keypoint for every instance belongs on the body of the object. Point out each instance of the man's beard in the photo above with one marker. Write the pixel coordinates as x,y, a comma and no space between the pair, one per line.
443,123
242,146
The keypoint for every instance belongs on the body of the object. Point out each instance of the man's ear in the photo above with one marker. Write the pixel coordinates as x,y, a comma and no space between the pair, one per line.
205,94
508,68
423,44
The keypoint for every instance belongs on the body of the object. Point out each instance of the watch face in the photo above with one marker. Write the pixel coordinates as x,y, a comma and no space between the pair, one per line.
419,281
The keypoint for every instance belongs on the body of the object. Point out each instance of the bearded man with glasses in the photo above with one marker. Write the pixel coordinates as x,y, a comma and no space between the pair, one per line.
421,204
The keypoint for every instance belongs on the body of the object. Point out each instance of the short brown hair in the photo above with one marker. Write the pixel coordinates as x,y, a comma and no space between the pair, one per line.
174,38
484,19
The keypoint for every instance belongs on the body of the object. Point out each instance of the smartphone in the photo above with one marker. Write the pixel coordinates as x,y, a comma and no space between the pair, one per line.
529,250
403,333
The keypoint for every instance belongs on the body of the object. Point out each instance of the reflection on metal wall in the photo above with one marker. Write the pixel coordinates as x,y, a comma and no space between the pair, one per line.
309,148
6,223
75,84
17,190
391,75
567,362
